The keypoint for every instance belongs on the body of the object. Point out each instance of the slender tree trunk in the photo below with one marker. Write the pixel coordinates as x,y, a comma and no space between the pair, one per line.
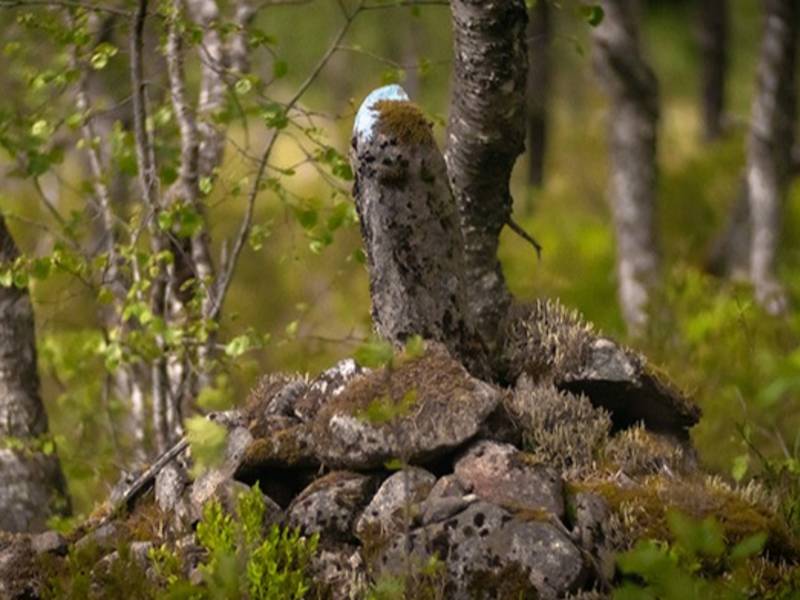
729,255
633,118
713,43
32,487
539,35
769,153
485,134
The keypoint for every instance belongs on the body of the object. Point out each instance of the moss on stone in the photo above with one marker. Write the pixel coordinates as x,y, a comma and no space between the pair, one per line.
642,508
433,377
509,583
404,121
284,449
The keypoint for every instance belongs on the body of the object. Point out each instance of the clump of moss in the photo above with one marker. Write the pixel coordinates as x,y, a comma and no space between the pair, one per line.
283,449
404,121
509,583
433,377
637,451
640,510
268,388
558,428
543,340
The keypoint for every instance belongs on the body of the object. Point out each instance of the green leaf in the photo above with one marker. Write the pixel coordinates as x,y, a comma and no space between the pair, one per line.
415,347
205,185
593,14
243,86
207,441
750,546
740,466
275,116
374,353
280,68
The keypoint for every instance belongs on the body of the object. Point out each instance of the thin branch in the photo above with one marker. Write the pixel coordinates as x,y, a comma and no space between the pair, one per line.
406,3
145,154
517,228
143,481
228,268
65,4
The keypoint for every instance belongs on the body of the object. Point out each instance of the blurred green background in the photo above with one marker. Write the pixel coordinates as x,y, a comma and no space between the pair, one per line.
740,365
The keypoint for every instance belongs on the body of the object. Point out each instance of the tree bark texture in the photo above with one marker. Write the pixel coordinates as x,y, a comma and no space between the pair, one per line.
32,485
539,36
409,225
769,153
729,255
633,119
713,44
485,134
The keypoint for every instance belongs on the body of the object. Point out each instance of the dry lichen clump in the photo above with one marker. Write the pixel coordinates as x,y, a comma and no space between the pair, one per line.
404,121
559,429
636,451
544,339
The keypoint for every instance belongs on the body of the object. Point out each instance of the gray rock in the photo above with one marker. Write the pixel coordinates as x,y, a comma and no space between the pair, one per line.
140,551
501,474
591,532
331,504
49,542
555,345
18,568
620,380
104,537
397,500
170,483
488,552
287,447
439,508
340,574
327,385
445,486
433,406
205,486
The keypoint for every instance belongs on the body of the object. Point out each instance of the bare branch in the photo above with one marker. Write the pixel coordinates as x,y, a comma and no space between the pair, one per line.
405,3
227,269
65,4
145,154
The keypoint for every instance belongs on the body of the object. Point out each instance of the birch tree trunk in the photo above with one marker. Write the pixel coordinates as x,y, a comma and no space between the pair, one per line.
713,43
32,485
539,35
485,135
769,152
632,89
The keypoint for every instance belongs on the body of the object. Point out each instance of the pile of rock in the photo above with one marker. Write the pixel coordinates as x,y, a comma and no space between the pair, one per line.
528,489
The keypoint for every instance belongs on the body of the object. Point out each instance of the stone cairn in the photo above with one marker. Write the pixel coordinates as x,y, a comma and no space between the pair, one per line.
522,475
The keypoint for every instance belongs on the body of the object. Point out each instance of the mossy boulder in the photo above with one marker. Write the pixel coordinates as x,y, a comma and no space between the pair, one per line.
417,411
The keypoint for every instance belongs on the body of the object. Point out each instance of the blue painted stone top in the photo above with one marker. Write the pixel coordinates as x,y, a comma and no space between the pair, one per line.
367,116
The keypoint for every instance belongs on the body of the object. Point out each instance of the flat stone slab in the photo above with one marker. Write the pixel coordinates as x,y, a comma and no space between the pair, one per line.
416,411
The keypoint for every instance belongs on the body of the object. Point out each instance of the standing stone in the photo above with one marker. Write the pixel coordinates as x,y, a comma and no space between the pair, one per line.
409,225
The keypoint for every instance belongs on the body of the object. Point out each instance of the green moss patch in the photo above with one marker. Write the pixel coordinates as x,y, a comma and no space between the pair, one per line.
404,121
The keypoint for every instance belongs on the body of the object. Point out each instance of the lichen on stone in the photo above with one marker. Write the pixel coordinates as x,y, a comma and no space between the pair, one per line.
636,451
560,429
543,340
